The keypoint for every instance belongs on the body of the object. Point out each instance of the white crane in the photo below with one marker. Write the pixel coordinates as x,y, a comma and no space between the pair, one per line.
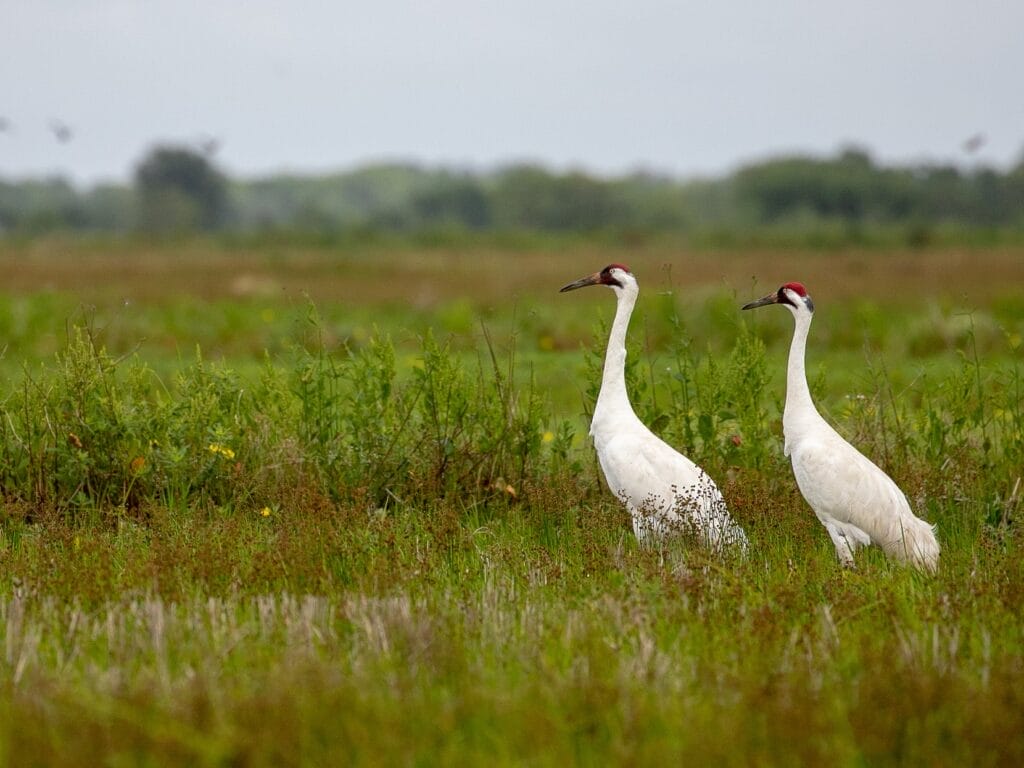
663,490
855,500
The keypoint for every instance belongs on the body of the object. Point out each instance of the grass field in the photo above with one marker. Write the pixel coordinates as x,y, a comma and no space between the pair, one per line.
278,504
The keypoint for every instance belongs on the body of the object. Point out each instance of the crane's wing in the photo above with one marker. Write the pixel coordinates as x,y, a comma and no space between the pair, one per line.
646,472
665,492
839,482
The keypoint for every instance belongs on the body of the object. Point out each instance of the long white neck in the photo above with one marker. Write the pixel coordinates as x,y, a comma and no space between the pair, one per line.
613,397
799,406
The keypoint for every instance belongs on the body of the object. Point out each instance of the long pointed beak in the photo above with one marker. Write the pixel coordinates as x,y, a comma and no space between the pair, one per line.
583,282
771,298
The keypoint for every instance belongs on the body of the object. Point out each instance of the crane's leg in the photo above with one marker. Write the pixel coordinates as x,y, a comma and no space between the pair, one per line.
644,525
845,545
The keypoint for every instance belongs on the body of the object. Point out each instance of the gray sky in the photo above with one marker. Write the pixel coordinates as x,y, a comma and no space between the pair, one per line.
683,87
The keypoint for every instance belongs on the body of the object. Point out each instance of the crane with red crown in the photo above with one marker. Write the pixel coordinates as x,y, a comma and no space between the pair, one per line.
663,490
857,502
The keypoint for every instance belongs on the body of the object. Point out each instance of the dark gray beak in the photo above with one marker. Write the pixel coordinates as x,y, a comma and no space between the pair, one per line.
583,282
771,298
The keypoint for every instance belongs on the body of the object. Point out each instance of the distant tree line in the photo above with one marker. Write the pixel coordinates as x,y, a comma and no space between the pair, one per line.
179,190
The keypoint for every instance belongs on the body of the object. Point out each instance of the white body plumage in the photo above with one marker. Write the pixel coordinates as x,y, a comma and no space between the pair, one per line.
857,502
663,490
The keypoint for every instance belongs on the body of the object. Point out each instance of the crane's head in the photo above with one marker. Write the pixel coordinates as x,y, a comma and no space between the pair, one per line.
615,276
792,295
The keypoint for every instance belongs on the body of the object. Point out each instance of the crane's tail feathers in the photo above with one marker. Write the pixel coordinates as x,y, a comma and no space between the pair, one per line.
917,545
698,511
715,533
721,532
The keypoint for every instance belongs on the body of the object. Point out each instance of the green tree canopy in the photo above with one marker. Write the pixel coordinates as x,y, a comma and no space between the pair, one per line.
179,190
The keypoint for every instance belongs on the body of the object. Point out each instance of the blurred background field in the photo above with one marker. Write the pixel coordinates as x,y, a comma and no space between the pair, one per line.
242,301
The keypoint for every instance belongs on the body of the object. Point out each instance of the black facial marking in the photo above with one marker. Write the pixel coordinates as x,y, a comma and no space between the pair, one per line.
607,278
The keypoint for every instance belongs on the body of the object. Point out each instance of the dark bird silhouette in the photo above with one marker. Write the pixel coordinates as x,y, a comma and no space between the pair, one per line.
209,145
61,131
973,144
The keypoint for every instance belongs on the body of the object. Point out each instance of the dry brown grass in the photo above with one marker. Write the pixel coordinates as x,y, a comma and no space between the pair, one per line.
424,277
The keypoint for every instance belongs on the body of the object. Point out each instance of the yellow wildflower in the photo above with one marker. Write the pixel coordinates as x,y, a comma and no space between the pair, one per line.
223,450
548,436
265,512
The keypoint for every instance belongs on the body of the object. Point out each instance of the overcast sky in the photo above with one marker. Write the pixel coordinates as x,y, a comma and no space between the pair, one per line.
682,87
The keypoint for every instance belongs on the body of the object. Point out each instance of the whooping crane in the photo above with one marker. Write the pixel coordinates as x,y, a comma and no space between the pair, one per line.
855,500
663,490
